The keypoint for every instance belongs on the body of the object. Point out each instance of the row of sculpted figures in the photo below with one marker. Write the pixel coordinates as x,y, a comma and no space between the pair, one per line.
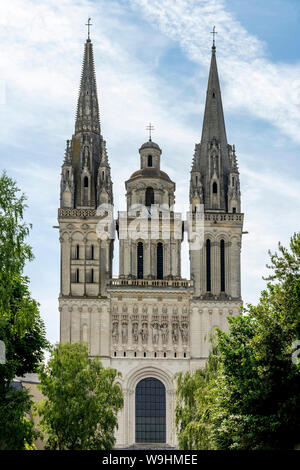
156,328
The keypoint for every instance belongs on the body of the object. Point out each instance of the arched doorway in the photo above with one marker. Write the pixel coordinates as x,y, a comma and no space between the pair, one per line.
150,411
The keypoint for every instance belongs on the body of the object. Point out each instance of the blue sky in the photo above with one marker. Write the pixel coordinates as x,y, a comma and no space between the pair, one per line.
152,60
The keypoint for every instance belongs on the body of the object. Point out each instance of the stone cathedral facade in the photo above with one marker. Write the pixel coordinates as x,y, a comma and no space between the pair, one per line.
148,323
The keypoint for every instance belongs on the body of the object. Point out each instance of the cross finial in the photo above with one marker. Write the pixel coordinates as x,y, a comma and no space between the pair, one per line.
88,24
150,128
214,32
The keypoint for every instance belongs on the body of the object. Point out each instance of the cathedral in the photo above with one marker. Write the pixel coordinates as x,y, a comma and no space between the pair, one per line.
149,323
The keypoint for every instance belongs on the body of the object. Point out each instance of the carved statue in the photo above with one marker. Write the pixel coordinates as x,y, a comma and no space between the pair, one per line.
124,332
155,332
144,333
175,333
164,332
135,332
115,332
184,333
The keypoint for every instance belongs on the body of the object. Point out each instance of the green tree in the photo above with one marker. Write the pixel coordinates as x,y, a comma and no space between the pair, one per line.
259,389
21,328
253,402
195,396
82,400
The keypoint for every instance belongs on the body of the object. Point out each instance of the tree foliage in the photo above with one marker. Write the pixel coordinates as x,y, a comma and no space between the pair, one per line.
194,406
254,402
82,400
21,328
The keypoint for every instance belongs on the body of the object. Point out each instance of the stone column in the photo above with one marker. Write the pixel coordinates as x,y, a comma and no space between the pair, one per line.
195,332
105,331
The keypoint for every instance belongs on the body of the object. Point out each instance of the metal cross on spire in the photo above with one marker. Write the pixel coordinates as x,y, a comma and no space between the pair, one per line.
150,128
214,32
88,24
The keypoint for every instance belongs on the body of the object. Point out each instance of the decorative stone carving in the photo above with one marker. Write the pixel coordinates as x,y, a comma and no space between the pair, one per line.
164,332
144,332
184,333
155,332
135,332
145,309
124,332
115,332
124,309
135,309
175,333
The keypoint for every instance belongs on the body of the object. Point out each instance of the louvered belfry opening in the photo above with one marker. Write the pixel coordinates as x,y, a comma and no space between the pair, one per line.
208,266
140,260
149,197
160,261
222,265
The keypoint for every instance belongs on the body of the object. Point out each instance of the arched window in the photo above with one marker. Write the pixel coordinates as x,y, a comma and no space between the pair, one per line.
215,188
150,411
149,160
140,260
86,182
77,252
92,275
149,197
222,264
77,275
234,210
208,266
160,261
92,252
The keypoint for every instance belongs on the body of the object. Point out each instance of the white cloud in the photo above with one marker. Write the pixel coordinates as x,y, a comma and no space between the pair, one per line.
267,90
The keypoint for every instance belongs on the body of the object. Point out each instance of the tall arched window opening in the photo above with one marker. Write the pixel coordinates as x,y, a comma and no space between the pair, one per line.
149,197
222,265
149,160
140,260
215,188
150,411
86,182
77,252
208,266
160,261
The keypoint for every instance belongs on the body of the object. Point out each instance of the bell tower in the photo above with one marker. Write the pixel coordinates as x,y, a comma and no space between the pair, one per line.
215,198
86,187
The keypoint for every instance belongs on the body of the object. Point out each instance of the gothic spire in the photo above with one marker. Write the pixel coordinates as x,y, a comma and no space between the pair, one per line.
213,122
87,117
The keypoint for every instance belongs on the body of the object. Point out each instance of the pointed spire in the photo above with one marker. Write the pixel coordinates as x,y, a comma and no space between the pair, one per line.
213,121
87,117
